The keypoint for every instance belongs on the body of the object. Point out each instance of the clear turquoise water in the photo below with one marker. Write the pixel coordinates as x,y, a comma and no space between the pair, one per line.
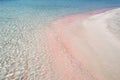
48,9
51,7
22,24
35,12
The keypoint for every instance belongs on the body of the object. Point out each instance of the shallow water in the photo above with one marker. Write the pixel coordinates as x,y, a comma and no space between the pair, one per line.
22,25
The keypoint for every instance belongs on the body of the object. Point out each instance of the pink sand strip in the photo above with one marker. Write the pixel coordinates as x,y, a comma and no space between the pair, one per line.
67,51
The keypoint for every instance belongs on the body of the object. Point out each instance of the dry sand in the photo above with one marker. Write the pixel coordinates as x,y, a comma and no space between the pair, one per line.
81,47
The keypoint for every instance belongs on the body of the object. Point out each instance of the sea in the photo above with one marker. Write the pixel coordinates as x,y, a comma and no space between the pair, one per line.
47,10
23,54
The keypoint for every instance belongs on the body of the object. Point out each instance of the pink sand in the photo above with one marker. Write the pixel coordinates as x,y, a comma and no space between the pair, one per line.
68,47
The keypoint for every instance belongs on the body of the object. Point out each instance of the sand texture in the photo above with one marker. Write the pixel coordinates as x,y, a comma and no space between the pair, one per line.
83,48
75,47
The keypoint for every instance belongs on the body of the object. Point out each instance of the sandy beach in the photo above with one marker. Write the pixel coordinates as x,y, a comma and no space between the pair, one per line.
59,39
82,47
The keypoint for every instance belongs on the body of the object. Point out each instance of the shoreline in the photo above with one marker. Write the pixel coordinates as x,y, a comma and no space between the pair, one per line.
86,12
71,43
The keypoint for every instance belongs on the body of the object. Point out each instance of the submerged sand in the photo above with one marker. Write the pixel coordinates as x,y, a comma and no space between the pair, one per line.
82,47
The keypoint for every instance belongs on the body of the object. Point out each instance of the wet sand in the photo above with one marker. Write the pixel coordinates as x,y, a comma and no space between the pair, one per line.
82,48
